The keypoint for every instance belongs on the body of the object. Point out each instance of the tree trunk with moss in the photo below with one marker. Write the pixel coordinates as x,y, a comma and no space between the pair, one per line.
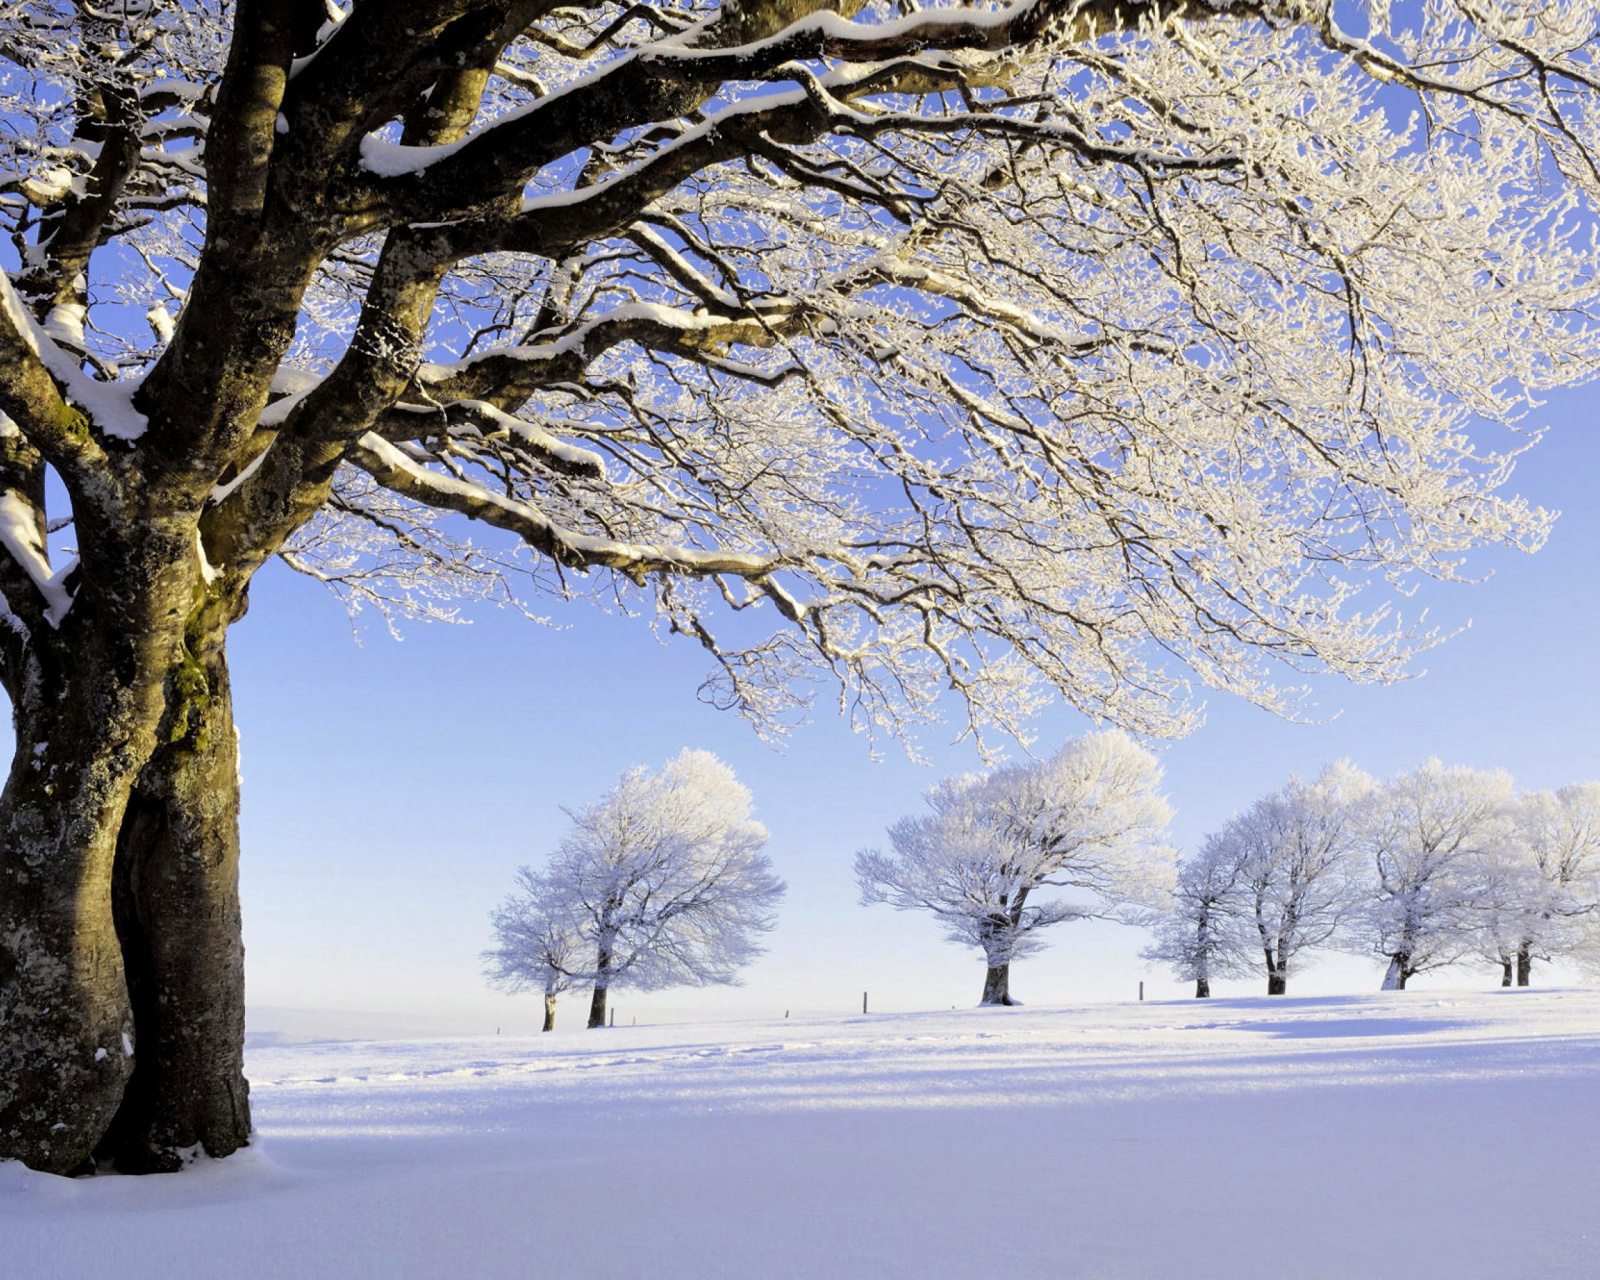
175,900
89,693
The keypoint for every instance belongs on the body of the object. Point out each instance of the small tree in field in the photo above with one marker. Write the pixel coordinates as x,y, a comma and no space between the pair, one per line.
537,948
1560,832
1090,818
1296,849
1507,895
663,881
1200,937
1432,834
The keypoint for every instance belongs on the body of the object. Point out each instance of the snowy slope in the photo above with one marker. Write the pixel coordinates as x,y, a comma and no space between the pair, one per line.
1405,1135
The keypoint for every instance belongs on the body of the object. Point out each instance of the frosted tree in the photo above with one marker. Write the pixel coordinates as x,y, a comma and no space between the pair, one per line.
1200,937
663,882
1297,873
1560,834
1090,818
1056,348
1434,837
1506,896
538,946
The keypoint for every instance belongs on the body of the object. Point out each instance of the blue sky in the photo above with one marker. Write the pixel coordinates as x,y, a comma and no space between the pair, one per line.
391,789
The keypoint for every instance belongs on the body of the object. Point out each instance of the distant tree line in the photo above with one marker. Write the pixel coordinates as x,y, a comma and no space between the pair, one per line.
1430,868
663,882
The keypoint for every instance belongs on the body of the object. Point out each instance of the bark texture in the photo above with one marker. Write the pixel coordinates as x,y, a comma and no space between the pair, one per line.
65,1023
549,1012
88,693
1202,989
597,1008
175,898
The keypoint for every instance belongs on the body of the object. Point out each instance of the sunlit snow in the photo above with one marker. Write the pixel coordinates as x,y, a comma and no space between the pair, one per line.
1407,1134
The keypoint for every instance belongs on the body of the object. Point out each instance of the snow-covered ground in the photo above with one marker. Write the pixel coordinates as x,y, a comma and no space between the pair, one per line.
1406,1135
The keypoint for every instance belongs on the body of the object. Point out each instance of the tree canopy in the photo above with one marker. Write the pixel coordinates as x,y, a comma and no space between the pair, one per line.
1013,371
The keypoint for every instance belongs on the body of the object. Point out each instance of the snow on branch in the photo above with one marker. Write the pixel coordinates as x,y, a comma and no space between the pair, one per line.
393,469
1083,350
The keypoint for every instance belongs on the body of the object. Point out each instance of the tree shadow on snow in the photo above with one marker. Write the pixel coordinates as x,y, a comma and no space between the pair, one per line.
1340,1027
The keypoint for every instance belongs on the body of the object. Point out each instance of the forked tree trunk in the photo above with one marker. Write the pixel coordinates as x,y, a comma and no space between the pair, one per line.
1277,968
175,900
1524,964
997,985
549,1011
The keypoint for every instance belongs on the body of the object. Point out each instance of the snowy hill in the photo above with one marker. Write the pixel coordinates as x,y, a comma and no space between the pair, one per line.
1410,1134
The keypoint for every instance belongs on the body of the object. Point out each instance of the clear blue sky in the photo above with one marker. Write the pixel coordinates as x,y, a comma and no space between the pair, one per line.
392,789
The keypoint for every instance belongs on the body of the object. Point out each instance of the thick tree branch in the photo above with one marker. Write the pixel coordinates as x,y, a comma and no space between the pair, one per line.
390,466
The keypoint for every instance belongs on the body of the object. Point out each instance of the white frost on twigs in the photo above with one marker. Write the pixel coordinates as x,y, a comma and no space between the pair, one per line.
19,534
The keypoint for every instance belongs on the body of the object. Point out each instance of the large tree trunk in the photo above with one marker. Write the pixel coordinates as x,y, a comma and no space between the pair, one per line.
123,674
1398,972
66,1031
175,900
1277,982
1505,969
1524,964
597,1007
997,985
86,702
549,1012
1202,989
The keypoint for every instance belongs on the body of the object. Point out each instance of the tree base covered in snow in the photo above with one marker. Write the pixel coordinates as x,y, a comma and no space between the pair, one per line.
1111,1140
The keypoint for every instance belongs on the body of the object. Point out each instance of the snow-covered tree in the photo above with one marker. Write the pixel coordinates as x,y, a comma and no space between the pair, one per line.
1505,896
1090,818
1048,347
538,947
663,882
1560,833
1434,838
1276,881
1298,880
1200,936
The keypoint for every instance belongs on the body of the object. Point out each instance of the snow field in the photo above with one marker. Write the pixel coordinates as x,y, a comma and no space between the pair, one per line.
1406,1135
